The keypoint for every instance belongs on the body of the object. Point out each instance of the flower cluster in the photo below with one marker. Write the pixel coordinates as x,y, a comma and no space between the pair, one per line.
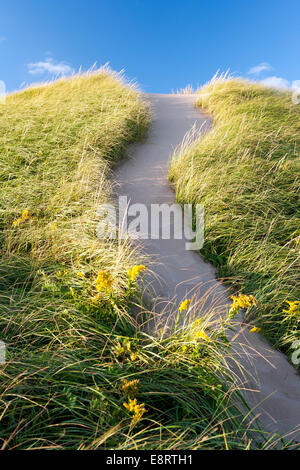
184,305
202,335
134,272
103,281
255,329
243,301
130,387
25,216
294,308
137,409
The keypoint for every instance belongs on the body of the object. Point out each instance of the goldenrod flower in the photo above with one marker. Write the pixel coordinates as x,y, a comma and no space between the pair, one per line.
137,409
130,406
130,387
255,329
293,307
104,281
135,271
243,301
17,222
184,305
25,216
81,274
134,356
202,335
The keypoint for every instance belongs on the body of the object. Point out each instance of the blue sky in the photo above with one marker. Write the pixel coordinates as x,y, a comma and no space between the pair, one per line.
163,44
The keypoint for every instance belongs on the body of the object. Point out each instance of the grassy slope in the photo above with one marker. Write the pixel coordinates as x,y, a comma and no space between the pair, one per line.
246,173
67,352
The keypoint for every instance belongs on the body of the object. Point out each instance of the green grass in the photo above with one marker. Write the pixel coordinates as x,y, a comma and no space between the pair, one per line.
246,173
69,351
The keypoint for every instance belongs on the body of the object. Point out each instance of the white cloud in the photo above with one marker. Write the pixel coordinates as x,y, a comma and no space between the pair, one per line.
2,38
257,69
49,66
276,82
272,81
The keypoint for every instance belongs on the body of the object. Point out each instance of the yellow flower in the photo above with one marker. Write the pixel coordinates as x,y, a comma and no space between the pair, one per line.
202,335
293,307
243,301
130,387
184,305
104,281
17,222
137,409
135,271
81,274
130,405
25,214
134,356
255,329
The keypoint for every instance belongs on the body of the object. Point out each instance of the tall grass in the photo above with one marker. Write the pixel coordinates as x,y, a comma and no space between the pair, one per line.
246,173
75,354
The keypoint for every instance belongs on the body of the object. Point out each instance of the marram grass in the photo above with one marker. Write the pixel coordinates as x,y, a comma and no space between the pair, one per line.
246,173
79,373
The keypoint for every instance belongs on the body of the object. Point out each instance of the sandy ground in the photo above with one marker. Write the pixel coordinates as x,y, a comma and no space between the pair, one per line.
272,385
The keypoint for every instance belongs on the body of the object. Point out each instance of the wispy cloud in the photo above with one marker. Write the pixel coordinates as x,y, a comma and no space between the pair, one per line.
49,66
276,82
2,38
272,81
257,69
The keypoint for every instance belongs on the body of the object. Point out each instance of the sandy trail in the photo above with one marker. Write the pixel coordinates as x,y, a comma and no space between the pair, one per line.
272,384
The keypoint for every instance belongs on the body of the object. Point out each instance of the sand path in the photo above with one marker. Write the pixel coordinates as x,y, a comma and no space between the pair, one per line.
273,385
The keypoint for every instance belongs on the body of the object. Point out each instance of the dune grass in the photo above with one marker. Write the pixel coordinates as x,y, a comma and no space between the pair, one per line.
75,354
246,173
